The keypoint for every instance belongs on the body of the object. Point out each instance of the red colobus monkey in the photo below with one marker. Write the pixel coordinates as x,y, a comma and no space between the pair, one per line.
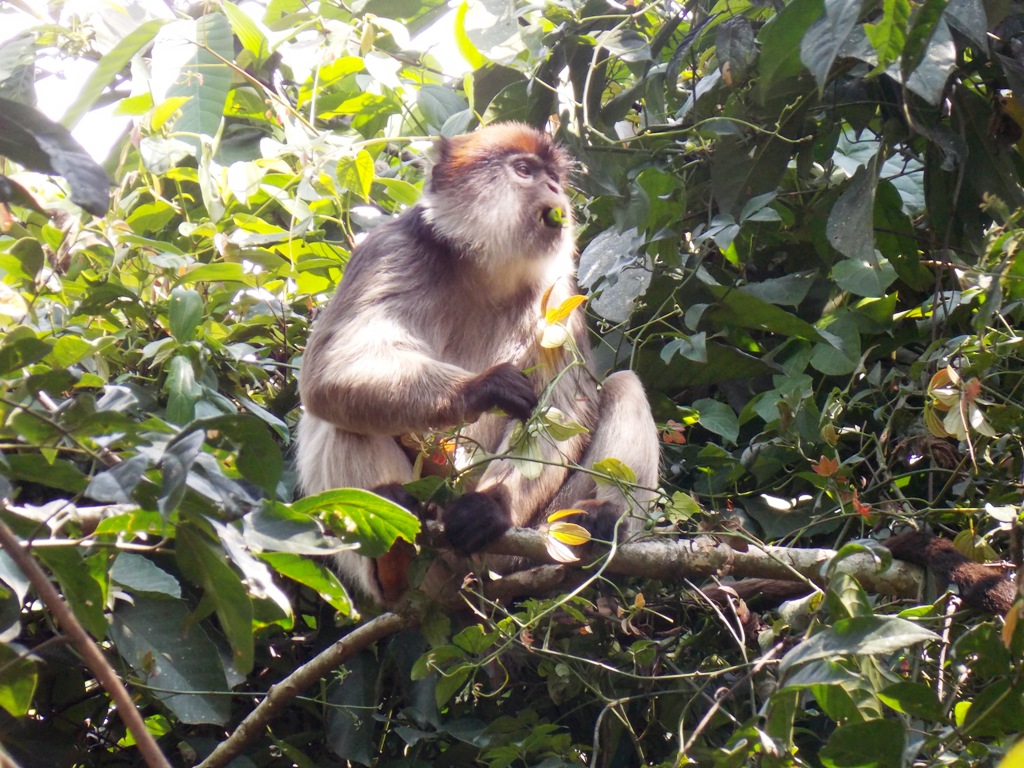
439,314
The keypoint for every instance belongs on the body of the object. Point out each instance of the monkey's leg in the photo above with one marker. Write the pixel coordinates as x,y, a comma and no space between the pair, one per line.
329,457
625,431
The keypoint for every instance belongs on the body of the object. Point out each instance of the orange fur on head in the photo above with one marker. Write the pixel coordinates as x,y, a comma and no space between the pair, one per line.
459,155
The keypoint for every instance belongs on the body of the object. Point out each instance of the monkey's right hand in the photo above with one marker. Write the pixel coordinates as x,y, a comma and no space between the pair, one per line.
501,386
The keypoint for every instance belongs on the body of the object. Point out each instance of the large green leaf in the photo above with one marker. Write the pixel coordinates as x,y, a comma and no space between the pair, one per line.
31,139
108,68
742,309
823,40
851,223
204,564
859,636
360,516
312,574
79,580
781,39
18,679
878,743
198,51
174,657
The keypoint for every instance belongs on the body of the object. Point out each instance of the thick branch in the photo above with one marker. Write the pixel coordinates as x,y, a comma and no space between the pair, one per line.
254,725
86,647
671,559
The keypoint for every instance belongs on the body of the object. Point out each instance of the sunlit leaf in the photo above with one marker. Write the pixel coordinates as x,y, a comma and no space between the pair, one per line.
115,60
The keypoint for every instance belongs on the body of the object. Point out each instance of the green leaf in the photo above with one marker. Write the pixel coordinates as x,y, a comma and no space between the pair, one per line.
247,32
141,574
78,579
840,353
889,34
864,278
492,29
996,710
182,390
204,77
175,656
19,352
463,43
18,679
922,27
745,310
185,312
364,173
259,457
277,527
438,103
682,507
36,468
718,418
451,682
108,68
876,743
850,226
68,350
179,455
781,43
151,217
914,699
928,80
312,574
741,170
352,701
204,564
825,37
116,485
363,517
859,636
617,470
735,46
31,139
626,44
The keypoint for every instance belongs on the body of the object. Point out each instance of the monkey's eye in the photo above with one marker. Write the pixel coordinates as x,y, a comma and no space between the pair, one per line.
522,168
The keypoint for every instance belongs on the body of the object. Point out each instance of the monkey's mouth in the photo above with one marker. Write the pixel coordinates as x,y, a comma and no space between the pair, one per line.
553,217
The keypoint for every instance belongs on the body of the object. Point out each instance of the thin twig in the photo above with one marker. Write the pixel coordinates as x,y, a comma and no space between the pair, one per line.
758,666
85,645
255,723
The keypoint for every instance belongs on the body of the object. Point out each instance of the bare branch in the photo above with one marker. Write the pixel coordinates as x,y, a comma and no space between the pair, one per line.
672,559
86,647
253,726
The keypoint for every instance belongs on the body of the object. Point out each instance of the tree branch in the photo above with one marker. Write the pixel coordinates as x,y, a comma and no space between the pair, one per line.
671,559
85,645
283,692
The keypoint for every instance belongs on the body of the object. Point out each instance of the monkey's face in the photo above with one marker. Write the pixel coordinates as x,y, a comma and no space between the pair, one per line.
499,194
542,183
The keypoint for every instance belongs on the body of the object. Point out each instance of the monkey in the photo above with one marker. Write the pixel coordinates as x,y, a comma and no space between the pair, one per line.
436,325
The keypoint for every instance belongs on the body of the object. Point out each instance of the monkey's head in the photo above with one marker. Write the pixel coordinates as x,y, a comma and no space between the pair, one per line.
499,195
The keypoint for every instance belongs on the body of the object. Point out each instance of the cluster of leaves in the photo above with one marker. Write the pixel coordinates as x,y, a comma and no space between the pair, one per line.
799,224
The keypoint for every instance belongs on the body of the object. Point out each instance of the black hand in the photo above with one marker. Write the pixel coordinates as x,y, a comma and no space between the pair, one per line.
473,521
503,386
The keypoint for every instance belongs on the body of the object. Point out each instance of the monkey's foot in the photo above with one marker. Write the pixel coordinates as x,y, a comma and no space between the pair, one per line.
474,521
601,518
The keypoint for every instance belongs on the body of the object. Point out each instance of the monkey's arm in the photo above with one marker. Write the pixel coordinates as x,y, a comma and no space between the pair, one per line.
388,383
505,496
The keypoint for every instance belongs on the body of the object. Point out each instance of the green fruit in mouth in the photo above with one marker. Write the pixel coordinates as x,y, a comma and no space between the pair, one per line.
554,218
